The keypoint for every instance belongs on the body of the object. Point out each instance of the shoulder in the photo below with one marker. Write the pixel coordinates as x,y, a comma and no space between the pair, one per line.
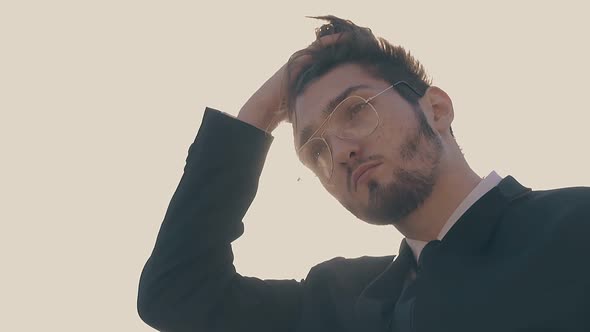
348,273
578,197
559,227
332,289
557,215
572,203
363,264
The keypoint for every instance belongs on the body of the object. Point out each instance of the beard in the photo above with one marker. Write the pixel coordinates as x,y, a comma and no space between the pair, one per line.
390,203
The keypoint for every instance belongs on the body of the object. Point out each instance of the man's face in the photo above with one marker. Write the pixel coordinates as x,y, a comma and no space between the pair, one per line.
402,155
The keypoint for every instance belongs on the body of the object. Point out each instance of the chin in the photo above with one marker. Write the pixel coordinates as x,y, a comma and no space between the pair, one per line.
377,222
366,213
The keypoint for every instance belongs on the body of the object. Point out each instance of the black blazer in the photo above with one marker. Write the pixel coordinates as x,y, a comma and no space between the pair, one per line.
517,260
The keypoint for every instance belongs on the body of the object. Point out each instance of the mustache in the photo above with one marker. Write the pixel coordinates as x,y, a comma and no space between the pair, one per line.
356,164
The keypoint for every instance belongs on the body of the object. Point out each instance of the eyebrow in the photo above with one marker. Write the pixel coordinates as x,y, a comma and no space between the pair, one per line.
308,130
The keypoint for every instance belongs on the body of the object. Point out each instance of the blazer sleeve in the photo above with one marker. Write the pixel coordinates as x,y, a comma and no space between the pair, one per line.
189,282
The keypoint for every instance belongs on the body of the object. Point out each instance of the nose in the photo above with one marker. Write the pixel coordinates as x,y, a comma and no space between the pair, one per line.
344,152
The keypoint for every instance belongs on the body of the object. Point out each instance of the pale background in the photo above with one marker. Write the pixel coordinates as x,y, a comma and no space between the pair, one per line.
100,101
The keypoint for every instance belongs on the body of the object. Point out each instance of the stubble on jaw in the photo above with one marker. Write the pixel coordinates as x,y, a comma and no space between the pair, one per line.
393,202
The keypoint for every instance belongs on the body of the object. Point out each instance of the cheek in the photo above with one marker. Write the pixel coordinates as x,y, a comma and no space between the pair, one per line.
378,136
383,139
391,132
383,134
338,189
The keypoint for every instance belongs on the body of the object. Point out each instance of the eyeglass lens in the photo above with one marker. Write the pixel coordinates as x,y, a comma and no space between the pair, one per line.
354,118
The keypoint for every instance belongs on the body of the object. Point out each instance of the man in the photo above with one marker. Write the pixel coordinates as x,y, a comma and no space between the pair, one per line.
478,255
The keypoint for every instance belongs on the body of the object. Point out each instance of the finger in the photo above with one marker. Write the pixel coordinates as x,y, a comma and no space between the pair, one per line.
302,58
302,54
329,39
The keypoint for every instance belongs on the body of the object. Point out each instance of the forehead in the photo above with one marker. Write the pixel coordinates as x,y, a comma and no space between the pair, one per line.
312,104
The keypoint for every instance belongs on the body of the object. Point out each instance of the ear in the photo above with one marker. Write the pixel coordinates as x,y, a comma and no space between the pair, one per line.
441,106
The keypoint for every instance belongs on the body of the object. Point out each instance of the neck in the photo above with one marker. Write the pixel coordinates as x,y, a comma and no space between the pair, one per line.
453,185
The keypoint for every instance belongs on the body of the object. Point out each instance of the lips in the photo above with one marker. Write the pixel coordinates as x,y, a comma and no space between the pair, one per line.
359,171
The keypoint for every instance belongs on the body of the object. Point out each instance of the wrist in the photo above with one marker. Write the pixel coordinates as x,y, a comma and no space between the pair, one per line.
256,119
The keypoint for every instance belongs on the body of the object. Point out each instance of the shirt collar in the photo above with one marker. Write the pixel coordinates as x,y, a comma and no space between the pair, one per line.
483,187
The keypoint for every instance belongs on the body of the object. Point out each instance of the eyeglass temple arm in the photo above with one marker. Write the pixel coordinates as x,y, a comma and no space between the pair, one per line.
395,85
377,95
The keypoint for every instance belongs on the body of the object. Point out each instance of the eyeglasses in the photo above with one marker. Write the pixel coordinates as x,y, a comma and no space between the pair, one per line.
353,118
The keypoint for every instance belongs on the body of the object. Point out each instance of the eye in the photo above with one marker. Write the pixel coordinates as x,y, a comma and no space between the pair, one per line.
355,109
315,152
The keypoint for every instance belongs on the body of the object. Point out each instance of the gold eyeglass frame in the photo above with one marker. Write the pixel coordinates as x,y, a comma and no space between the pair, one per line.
321,136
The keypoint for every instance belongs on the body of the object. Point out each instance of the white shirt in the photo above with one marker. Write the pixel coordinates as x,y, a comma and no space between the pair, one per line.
485,185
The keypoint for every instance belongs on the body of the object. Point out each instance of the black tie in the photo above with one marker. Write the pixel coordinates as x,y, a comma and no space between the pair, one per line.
403,318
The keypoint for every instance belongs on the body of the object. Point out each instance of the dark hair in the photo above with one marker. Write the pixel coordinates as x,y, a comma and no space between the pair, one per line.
358,45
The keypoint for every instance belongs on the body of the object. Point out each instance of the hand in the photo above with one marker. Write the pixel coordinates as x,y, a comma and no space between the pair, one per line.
266,107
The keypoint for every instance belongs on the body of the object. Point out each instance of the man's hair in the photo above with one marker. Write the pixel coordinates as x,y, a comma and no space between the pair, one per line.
360,46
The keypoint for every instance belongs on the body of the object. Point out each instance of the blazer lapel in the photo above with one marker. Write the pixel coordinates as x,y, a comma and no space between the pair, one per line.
374,307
